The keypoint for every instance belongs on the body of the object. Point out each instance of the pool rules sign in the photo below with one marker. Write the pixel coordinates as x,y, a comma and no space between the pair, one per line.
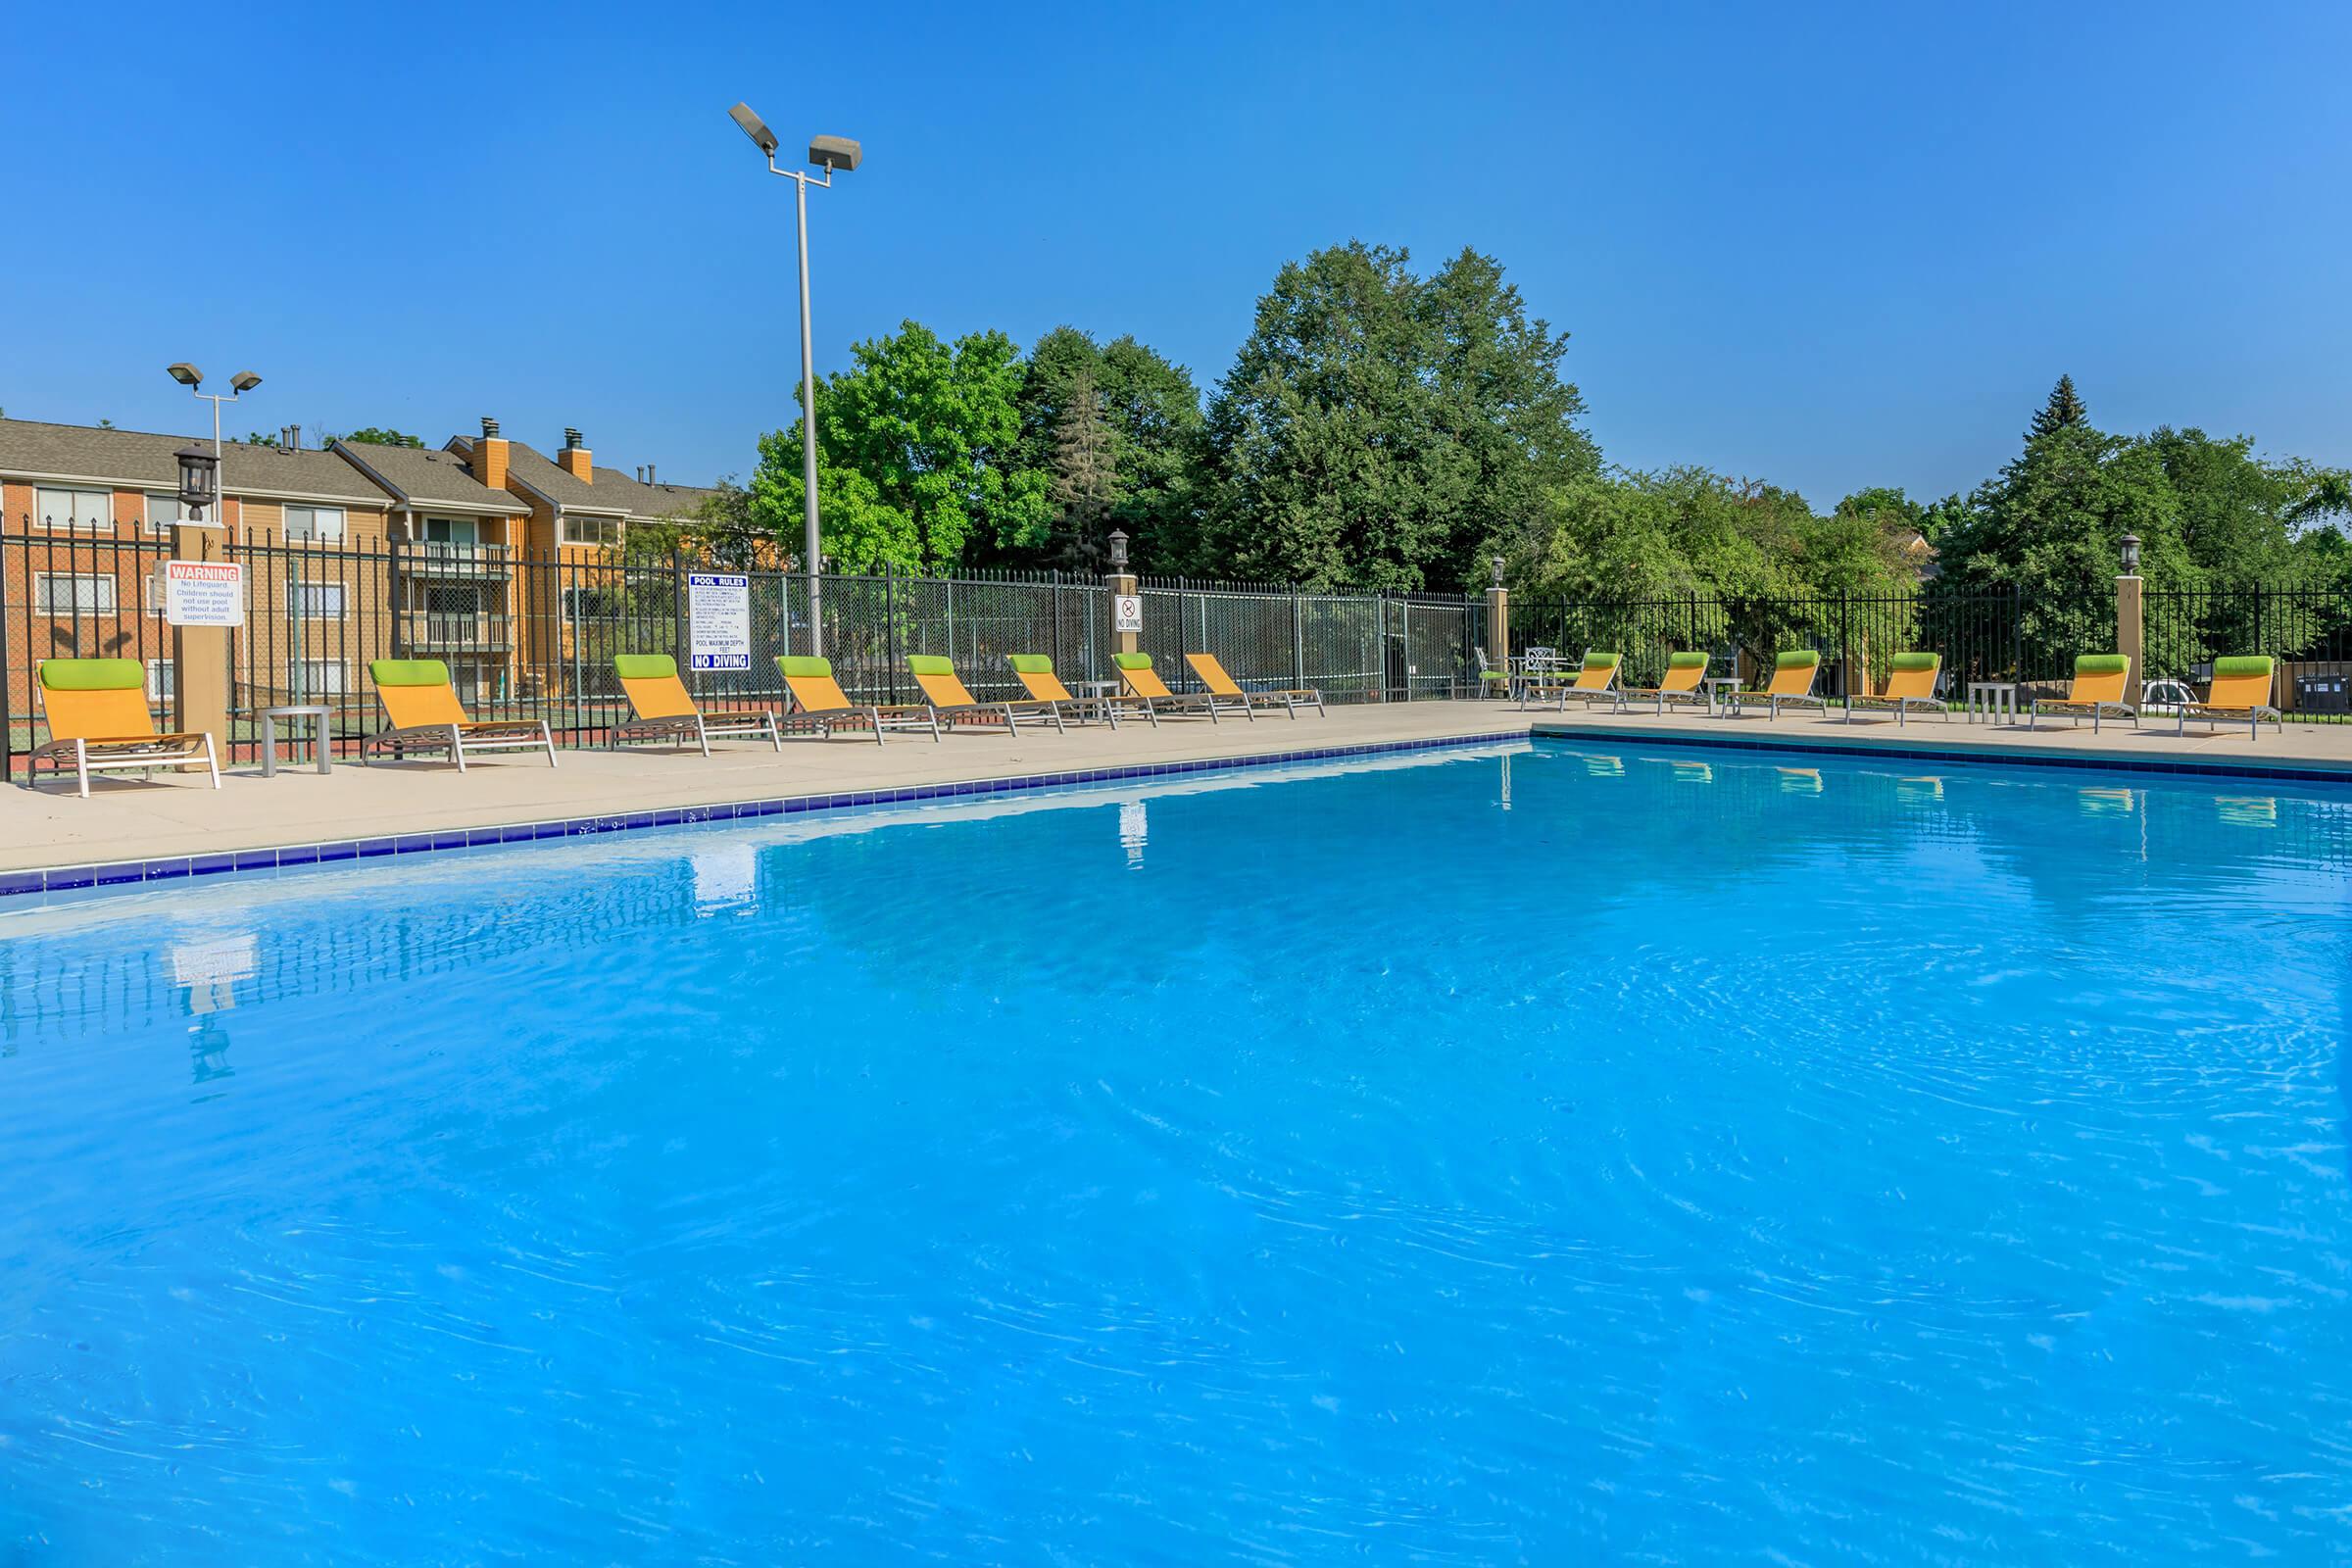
204,593
718,607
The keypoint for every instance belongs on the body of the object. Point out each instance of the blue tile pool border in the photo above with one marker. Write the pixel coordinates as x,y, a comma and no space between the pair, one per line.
1977,755
122,874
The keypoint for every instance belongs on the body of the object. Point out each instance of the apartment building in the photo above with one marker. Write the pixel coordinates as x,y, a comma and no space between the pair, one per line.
483,552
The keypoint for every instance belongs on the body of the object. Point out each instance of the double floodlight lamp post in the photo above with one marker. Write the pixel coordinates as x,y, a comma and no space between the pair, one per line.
828,153
199,469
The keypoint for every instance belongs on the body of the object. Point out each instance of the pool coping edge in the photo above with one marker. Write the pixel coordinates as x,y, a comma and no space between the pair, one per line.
92,876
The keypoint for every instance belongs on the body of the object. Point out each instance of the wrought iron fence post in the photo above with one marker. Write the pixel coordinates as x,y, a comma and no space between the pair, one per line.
1298,637
2017,629
890,626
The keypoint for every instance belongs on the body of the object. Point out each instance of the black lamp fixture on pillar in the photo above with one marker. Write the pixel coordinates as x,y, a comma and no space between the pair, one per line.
199,480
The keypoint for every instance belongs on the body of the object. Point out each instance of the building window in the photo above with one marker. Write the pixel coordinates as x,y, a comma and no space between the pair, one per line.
313,523
74,509
162,680
592,530
320,601
461,531
161,512
594,603
56,594
314,677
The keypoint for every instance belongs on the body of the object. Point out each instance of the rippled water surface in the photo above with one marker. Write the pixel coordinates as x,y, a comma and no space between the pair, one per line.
1543,1156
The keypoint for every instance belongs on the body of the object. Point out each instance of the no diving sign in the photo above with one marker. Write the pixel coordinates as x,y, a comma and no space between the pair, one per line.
1127,612
718,607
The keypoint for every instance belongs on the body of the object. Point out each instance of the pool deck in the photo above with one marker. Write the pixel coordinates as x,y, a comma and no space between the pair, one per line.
128,820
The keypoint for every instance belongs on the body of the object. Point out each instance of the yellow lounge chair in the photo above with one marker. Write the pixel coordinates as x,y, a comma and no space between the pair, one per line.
1910,683
423,714
951,701
818,702
1595,681
1036,677
1684,675
1792,683
99,722
2241,690
661,708
2097,688
1143,686
1227,690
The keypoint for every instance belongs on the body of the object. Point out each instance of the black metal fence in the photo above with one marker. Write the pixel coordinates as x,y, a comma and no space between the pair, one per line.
533,637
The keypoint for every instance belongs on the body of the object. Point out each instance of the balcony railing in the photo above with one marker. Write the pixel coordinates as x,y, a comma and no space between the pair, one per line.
430,558
444,629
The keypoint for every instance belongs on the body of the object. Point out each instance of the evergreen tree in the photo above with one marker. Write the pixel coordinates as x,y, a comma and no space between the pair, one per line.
2063,412
1085,475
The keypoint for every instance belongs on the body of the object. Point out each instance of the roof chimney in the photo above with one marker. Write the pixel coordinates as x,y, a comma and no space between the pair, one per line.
575,458
490,456
293,438
648,473
641,474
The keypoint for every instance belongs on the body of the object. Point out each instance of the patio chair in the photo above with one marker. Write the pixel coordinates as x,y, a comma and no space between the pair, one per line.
1034,672
1685,674
1221,685
99,721
2241,690
2097,688
1144,685
818,702
1595,681
661,708
422,713
1910,683
951,700
1490,676
1792,684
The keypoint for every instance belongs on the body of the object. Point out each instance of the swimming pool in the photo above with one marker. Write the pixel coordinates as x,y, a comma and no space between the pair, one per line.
1538,1153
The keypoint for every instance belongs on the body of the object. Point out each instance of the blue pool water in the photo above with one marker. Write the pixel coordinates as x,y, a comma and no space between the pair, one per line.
1539,1155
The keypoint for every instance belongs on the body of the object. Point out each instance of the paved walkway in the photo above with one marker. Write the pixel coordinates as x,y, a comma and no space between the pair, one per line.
126,818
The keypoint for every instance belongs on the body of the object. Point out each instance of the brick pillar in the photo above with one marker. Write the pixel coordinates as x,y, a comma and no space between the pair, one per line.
1120,581
1499,633
200,654
2129,639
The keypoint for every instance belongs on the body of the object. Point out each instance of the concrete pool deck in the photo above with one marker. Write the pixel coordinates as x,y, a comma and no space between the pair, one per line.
127,820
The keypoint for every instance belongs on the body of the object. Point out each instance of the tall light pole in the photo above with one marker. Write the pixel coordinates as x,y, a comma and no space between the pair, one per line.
192,378
827,153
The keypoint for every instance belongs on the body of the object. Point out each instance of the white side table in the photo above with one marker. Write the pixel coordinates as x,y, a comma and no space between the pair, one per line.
1995,697
317,712
1719,688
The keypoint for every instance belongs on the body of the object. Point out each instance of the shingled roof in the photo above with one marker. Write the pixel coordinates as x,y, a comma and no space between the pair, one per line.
652,502
425,478
142,460
550,479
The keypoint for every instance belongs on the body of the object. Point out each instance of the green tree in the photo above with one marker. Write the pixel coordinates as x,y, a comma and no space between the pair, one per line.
1152,411
919,457
2063,410
378,436
1085,475
1387,429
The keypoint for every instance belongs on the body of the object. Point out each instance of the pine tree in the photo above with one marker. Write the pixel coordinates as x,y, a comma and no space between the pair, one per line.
2064,410
1085,475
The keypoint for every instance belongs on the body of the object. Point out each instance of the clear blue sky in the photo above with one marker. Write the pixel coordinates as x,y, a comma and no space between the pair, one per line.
1826,246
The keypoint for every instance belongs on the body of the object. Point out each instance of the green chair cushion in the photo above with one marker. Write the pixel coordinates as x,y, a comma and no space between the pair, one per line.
1132,661
93,674
407,671
1915,661
1686,660
2241,665
1797,659
930,665
805,666
644,666
2102,665
1032,664
1602,661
